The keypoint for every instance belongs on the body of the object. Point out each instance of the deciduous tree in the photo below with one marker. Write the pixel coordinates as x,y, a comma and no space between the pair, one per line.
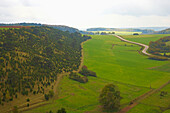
110,98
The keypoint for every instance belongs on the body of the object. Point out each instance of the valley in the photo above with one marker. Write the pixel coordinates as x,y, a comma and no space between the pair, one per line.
122,65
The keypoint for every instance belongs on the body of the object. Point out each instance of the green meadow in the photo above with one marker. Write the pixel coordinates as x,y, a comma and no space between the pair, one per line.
122,63
153,103
114,61
145,39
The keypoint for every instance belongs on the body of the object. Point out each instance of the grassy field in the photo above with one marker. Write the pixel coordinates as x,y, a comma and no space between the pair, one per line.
122,62
118,32
145,39
115,62
78,98
153,103
167,111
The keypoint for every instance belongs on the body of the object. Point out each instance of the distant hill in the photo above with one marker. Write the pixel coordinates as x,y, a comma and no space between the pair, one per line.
64,28
144,31
153,28
166,31
59,27
21,24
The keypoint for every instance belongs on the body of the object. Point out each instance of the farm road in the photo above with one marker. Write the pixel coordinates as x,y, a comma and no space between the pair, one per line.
137,100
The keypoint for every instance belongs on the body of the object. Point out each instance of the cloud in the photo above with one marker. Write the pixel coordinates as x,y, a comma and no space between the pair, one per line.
30,3
140,7
86,13
8,3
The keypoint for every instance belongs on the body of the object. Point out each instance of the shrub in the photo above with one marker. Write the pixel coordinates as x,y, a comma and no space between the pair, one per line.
51,93
78,78
11,99
163,93
28,105
46,96
135,34
28,99
161,58
87,72
62,110
50,111
34,92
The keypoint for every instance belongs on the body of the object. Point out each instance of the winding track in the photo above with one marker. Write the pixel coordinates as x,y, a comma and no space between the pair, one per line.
152,91
143,51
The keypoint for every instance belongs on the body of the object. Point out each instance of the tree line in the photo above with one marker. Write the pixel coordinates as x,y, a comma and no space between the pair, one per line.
160,46
82,75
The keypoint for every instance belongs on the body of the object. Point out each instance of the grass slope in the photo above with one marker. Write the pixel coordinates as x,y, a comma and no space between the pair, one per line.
76,97
154,103
120,64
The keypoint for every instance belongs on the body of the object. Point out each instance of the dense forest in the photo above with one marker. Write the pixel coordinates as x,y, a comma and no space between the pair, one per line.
35,55
160,46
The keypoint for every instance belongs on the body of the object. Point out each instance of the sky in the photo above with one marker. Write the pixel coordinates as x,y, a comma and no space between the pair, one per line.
88,13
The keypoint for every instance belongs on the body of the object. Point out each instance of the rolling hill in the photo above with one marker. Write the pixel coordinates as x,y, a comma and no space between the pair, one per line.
166,31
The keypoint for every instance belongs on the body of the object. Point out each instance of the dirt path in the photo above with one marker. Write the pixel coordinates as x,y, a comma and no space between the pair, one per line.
82,55
140,98
60,76
140,44
57,84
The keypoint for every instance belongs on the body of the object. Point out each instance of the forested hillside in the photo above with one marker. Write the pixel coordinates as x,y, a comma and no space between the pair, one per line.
160,46
166,31
35,55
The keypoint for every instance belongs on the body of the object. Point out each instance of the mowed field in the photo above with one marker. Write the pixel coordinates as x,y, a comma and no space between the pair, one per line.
115,62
